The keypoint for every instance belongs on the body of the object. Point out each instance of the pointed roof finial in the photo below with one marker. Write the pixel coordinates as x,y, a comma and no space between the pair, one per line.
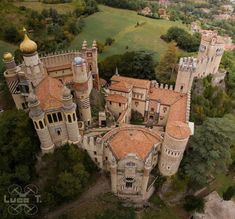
116,71
27,46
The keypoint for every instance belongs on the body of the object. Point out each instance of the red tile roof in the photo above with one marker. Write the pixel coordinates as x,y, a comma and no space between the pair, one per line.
178,130
132,140
49,92
116,98
139,83
121,86
166,97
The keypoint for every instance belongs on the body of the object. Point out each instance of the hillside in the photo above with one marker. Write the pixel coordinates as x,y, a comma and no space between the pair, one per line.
120,25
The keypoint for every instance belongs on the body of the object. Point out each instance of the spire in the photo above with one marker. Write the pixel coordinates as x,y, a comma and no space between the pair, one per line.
94,45
84,45
27,46
116,71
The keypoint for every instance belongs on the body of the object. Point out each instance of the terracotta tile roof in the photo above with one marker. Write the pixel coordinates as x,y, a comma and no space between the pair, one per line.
49,93
178,130
121,86
166,97
178,110
176,124
116,98
58,68
140,83
134,140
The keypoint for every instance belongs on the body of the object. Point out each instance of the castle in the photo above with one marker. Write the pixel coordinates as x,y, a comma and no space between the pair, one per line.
55,89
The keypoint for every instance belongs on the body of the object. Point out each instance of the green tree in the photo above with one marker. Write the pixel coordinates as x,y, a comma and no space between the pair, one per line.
11,34
208,154
68,186
229,193
167,65
193,203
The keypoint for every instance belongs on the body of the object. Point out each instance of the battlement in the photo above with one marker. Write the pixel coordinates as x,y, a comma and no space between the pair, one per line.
188,64
155,84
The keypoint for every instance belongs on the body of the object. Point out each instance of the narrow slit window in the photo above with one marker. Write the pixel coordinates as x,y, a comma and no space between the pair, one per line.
60,116
41,125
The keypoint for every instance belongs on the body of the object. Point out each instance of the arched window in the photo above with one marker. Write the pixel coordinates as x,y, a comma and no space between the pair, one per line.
41,125
60,116
69,118
36,125
74,117
49,118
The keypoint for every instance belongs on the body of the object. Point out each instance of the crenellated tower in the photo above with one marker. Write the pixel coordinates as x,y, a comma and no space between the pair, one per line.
210,53
91,56
34,71
186,71
37,115
69,109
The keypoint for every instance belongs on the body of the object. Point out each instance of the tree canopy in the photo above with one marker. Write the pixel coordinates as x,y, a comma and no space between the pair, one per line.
132,64
167,65
208,154
18,149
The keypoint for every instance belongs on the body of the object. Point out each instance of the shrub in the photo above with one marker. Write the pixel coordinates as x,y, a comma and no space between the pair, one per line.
193,203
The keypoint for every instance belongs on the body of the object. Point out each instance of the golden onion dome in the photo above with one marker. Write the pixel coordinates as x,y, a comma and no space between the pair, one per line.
28,46
7,56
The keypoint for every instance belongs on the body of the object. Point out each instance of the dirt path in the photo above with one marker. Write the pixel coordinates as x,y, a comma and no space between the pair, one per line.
100,187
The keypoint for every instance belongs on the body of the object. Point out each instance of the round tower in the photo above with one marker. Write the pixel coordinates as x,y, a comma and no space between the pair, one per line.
34,67
69,109
11,76
81,87
173,147
37,115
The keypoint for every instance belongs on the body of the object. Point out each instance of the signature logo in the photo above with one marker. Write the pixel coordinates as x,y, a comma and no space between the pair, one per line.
22,200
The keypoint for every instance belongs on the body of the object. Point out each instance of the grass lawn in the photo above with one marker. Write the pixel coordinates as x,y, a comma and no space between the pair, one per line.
5,47
120,25
39,6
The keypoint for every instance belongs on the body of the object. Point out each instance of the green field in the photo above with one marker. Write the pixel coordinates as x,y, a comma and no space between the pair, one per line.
39,6
5,47
120,25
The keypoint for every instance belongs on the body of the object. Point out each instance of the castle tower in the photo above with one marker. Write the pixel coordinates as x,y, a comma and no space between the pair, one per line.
173,147
34,67
82,88
69,109
91,56
37,115
210,53
13,81
187,69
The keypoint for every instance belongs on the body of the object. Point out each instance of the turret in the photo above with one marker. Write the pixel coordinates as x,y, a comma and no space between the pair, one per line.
37,115
69,109
82,87
79,70
12,79
187,69
34,67
173,147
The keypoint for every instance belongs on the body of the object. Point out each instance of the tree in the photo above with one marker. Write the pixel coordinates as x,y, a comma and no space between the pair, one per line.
18,149
131,64
11,34
167,65
208,154
193,203
229,193
109,41
68,186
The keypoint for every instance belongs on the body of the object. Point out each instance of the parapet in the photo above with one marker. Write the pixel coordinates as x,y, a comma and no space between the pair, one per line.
188,64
